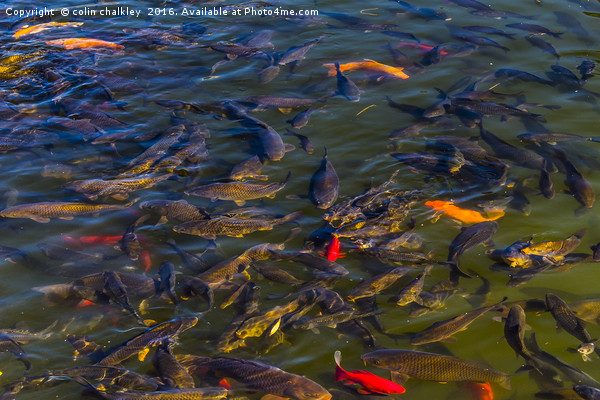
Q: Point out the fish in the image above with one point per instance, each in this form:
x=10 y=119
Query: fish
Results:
x=116 y=188
x=166 y=283
x=179 y=210
x=84 y=43
x=523 y=157
x=295 y=54
x=587 y=392
x=580 y=188
x=170 y=371
x=194 y=286
x=443 y=330
x=151 y=337
x=116 y=378
x=238 y=192
x=542 y=44
x=405 y=364
x=554 y=251
x=489 y=30
x=332 y=250
x=191 y=261
x=411 y=292
x=471 y=4
x=587 y=310
x=257 y=376
x=248 y=168
x=533 y=28
x=370 y=382
x=369 y=66
x=312 y=261
x=204 y=393
x=514 y=331
x=567 y=320
x=30 y=30
x=277 y=102
x=305 y=142
x=480 y=391
x=117 y=292
x=428 y=14
x=586 y=68
x=521 y=75
x=324 y=185
x=274 y=273
x=233 y=227
x=346 y=87
x=468 y=238
x=463 y=215
x=7 y=344
x=300 y=121
x=43 y=212
x=468 y=37
x=554 y=137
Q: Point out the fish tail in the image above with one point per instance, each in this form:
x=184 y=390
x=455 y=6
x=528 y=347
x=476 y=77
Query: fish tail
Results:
x=290 y=217
x=340 y=374
x=505 y=382
x=337 y=356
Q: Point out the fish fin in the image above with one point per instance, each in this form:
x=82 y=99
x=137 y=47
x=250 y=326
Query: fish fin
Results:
x=398 y=377
x=240 y=203
x=288 y=147
x=488 y=243
x=273 y=397
x=162 y=220
x=315 y=331
x=284 y=110
x=225 y=384
x=120 y=196
x=66 y=218
x=42 y=220
x=270 y=196
x=275 y=327
x=142 y=354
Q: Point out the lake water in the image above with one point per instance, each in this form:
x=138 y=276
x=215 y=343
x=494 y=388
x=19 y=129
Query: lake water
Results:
x=163 y=67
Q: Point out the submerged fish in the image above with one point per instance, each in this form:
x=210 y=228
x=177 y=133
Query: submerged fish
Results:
x=30 y=30
x=369 y=66
x=346 y=87
x=324 y=185
x=370 y=382
x=43 y=212
x=405 y=364
x=238 y=192
x=83 y=43
x=462 y=214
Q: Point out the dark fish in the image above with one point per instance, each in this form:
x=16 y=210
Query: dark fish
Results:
x=468 y=238
x=542 y=44
x=117 y=292
x=566 y=319
x=312 y=261
x=587 y=392
x=580 y=188
x=514 y=331
x=422 y=12
x=401 y=35
x=521 y=75
x=248 y=168
x=554 y=137
x=533 y=28
x=443 y=330
x=489 y=30
x=191 y=261
x=523 y=157
x=586 y=68
x=305 y=142
x=471 y=4
x=256 y=376
x=477 y=40
x=7 y=344
x=377 y=284
x=574 y=26
x=171 y=373
x=324 y=185
x=545 y=183
x=345 y=86
x=166 y=282
x=564 y=78
x=301 y=119
x=117 y=188
x=151 y=337
x=405 y=364
x=194 y=286
x=109 y=377
x=295 y=54
x=277 y=102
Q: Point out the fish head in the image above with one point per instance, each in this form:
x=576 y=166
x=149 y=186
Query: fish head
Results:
x=437 y=204
x=380 y=358
x=301 y=388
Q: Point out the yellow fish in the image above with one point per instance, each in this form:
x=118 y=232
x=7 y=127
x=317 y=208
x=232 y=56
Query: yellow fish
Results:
x=369 y=66
x=29 y=30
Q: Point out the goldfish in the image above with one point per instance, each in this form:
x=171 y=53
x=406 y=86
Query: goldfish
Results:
x=332 y=251
x=99 y=239
x=370 y=66
x=370 y=382
x=29 y=30
x=461 y=214
x=83 y=43
x=480 y=391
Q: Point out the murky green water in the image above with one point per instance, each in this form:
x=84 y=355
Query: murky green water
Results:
x=356 y=138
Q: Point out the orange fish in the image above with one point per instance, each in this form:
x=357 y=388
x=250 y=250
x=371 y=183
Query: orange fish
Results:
x=480 y=391
x=461 y=214
x=29 y=30
x=370 y=382
x=83 y=43
x=368 y=66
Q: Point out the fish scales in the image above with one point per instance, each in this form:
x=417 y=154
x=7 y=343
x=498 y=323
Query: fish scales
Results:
x=44 y=211
x=257 y=376
x=119 y=188
x=324 y=185
x=151 y=337
x=116 y=377
x=237 y=191
x=170 y=370
x=434 y=367
x=566 y=318
x=180 y=210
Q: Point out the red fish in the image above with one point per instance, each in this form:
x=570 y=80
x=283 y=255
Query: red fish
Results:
x=370 y=382
x=332 y=251
x=101 y=239
x=480 y=391
x=85 y=303
x=146 y=259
